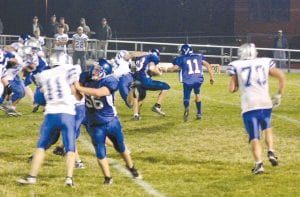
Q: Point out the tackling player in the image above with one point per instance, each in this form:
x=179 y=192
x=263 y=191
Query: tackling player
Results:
x=191 y=76
x=102 y=119
x=251 y=75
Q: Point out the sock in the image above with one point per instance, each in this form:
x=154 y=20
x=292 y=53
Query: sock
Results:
x=198 y=106
x=186 y=103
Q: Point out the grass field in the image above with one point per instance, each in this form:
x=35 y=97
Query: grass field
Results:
x=210 y=157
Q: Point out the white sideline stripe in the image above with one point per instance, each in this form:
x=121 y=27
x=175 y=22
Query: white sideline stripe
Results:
x=146 y=186
x=292 y=120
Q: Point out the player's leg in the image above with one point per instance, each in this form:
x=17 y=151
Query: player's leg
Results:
x=117 y=137
x=252 y=127
x=186 y=100
x=138 y=103
x=79 y=118
x=266 y=127
x=67 y=122
x=198 y=100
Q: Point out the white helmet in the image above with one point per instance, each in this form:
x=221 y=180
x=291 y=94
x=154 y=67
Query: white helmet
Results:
x=247 y=51
x=34 y=44
x=58 y=59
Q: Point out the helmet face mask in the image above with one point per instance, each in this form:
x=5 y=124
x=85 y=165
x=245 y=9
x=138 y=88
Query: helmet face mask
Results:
x=186 y=49
x=247 y=51
x=98 y=73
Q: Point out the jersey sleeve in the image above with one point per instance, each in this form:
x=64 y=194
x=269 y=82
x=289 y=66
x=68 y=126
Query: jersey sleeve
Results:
x=231 y=70
x=177 y=61
x=111 y=83
x=154 y=58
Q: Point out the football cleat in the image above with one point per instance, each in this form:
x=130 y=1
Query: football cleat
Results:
x=59 y=151
x=79 y=164
x=108 y=180
x=198 y=116
x=186 y=115
x=35 y=108
x=134 y=172
x=29 y=180
x=258 y=168
x=158 y=110
x=69 y=181
x=272 y=158
x=136 y=117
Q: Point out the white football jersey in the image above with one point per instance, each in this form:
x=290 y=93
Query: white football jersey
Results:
x=80 y=42
x=56 y=84
x=253 y=81
x=62 y=38
x=12 y=72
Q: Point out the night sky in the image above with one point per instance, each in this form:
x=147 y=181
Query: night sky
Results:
x=127 y=18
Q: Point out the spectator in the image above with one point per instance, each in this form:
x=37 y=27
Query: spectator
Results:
x=86 y=28
x=80 y=46
x=280 y=42
x=103 y=34
x=52 y=27
x=65 y=25
x=1 y=27
x=61 y=40
x=36 y=25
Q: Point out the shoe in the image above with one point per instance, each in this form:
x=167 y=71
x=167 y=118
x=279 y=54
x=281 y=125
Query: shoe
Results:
x=69 y=181
x=186 y=115
x=108 y=180
x=29 y=180
x=79 y=165
x=136 y=117
x=10 y=110
x=198 y=116
x=35 y=108
x=30 y=159
x=135 y=173
x=272 y=158
x=158 y=110
x=59 y=151
x=258 y=168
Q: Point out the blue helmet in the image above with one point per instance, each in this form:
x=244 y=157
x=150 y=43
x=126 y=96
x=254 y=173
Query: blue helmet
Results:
x=102 y=69
x=155 y=52
x=186 y=49
x=24 y=37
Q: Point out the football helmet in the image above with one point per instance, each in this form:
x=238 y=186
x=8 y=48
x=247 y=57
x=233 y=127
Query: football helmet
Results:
x=101 y=70
x=34 y=44
x=155 y=52
x=24 y=37
x=186 y=49
x=58 y=59
x=247 y=51
x=121 y=55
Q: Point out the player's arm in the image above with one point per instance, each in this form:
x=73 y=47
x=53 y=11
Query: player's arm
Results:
x=134 y=54
x=154 y=69
x=170 y=69
x=211 y=74
x=98 y=92
x=277 y=73
x=76 y=93
x=233 y=84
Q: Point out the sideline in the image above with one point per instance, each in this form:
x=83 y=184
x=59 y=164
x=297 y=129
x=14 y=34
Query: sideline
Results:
x=146 y=186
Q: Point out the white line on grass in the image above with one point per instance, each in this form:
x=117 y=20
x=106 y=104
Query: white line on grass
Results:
x=146 y=186
x=286 y=118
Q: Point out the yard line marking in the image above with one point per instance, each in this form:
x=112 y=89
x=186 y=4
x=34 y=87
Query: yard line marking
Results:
x=286 y=118
x=146 y=186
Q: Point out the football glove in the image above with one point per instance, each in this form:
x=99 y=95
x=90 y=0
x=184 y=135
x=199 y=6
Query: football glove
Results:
x=276 y=100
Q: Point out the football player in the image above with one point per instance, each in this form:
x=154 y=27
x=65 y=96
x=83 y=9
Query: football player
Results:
x=57 y=84
x=251 y=75
x=146 y=66
x=191 y=76
x=102 y=119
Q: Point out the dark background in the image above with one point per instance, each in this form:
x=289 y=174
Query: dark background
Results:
x=127 y=18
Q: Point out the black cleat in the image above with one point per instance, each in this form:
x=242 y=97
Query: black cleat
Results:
x=108 y=180
x=272 y=158
x=198 y=116
x=186 y=115
x=134 y=172
x=35 y=108
x=59 y=151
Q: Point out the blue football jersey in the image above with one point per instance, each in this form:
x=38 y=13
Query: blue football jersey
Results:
x=100 y=110
x=142 y=64
x=191 y=71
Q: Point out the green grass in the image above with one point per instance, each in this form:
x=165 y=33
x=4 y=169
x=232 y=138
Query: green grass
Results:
x=210 y=157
